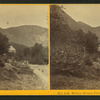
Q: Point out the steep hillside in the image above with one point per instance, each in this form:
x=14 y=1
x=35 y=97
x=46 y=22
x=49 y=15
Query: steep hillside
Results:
x=73 y=52
x=27 y=35
x=64 y=47
x=66 y=19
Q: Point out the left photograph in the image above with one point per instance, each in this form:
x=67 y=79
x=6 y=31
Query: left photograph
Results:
x=24 y=47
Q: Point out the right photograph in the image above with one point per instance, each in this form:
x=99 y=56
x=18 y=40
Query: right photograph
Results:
x=75 y=47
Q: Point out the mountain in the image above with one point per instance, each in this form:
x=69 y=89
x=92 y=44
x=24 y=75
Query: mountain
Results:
x=27 y=35
x=74 y=25
x=85 y=27
x=64 y=17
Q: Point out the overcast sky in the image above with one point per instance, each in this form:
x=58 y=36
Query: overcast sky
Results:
x=16 y=15
x=88 y=13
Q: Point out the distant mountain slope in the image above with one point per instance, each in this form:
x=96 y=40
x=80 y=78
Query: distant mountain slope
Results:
x=85 y=27
x=27 y=35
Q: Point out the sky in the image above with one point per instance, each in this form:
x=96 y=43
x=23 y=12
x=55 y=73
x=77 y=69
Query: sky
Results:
x=17 y=15
x=87 y=13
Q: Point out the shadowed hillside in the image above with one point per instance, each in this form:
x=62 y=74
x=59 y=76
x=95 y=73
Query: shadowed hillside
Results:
x=74 y=51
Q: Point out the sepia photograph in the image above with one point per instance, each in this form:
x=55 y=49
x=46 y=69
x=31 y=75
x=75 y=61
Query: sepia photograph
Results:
x=24 y=47
x=75 y=47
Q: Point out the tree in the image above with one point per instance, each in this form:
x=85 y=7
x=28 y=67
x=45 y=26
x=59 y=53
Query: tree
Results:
x=4 y=44
x=91 y=42
x=27 y=52
x=39 y=54
x=36 y=49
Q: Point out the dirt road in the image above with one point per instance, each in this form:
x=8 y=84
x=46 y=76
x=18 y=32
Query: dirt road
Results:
x=42 y=72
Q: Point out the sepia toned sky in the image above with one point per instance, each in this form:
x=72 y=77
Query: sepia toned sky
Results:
x=88 y=13
x=17 y=15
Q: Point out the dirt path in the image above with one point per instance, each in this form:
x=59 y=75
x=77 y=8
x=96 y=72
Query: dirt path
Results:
x=42 y=72
x=41 y=76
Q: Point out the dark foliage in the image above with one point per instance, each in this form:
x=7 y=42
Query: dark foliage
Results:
x=19 y=51
x=70 y=50
x=37 y=54
x=4 y=46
